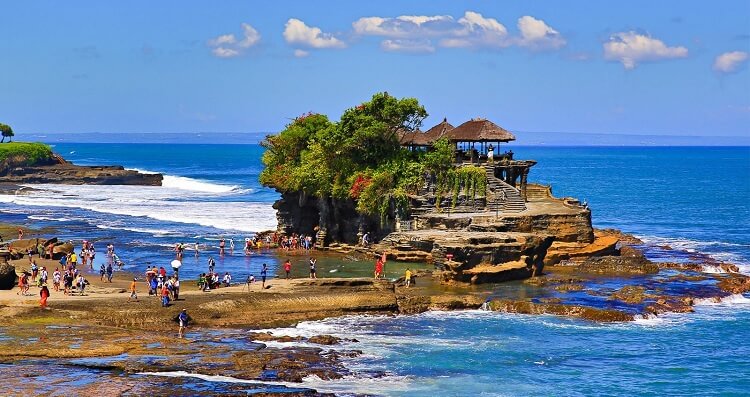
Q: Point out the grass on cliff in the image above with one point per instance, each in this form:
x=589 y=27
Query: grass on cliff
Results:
x=29 y=152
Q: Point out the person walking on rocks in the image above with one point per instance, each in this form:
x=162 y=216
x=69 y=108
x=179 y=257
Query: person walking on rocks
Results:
x=407 y=278
x=263 y=274
x=287 y=268
x=110 y=271
x=133 y=294
x=43 y=295
x=102 y=272
x=183 y=319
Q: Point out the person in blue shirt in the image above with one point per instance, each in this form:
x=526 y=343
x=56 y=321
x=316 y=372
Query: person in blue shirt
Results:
x=183 y=318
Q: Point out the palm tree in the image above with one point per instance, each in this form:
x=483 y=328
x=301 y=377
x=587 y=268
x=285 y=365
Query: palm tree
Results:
x=7 y=132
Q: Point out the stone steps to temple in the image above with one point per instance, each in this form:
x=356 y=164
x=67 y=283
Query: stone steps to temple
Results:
x=513 y=202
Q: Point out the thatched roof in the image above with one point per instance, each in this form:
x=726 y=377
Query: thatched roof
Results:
x=419 y=138
x=480 y=130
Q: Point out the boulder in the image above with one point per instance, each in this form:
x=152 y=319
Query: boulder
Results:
x=620 y=265
x=7 y=276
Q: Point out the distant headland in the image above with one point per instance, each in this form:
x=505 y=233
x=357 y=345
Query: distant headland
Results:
x=27 y=162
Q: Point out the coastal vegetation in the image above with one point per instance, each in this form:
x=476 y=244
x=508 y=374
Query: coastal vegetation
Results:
x=25 y=153
x=7 y=132
x=359 y=157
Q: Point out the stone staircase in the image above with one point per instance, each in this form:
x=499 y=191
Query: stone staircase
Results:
x=502 y=196
x=536 y=192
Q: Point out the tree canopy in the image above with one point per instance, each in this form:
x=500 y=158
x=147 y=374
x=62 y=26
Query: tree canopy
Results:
x=358 y=157
x=7 y=132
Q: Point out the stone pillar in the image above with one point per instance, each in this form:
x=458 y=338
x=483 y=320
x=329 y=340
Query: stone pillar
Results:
x=524 y=175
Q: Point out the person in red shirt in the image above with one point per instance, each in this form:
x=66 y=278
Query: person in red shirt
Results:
x=378 y=269
x=43 y=294
x=287 y=267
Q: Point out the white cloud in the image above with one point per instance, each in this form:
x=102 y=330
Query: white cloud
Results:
x=729 y=62
x=222 y=40
x=631 y=48
x=301 y=53
x=223 y=52
x=227 y=46
x=411 y=26
x=477 y=31
x=297 y=32
x=536 y=34
x=472 y=30
x=413 y=46
x=251 y=36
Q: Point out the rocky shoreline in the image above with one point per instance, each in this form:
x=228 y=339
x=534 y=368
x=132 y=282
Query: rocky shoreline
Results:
x=55 y=169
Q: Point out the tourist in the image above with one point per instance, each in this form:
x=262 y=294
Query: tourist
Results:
x=313 y=264
x=248 y=247
x=102 y=272
x=153 y=285
x=56 y=277
x=92 y=254
x=43 y=276
x=287 y=268
x=133 y=294
x=378 y=269
x=222 y=243
x=43 y=295
x=81 y=283
x=183 y=318
x=407 y=278
x=164 y=296
x=231 y=246
x=23 y=283
x=68 y=283
x=366 y=240
x=20 y=234
x=263 y=274
x=34 y=271
x=162 y=273
x=227 y=279
x=211 y=264
x=176 y=287
x=110 y=272
x=73 y=259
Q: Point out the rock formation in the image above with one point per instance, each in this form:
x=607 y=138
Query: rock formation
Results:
x=57 y=170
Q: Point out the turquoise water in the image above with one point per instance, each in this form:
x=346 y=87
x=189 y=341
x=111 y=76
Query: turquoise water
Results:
x=692 y=199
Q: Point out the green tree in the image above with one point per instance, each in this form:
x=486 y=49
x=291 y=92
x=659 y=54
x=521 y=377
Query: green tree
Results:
x=7 y=132
x=359 y=157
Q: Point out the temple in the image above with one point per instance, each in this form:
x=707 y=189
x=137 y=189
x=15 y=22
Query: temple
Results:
x=477 y=142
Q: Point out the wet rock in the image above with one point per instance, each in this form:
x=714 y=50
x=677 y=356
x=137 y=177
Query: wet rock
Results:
x=623 y=265
x=268 y=337
x=569 y=287
x=627 y=251
x=327 y=340
x=696 y=267
x=735 y=284
x=587 y=313
x=633 y=294
x=7 y=276
x=666 y=304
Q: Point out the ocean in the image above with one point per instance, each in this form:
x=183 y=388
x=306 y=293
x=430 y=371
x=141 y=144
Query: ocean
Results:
x=693 y=199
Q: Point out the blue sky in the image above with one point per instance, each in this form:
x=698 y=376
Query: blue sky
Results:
x=640 y=67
